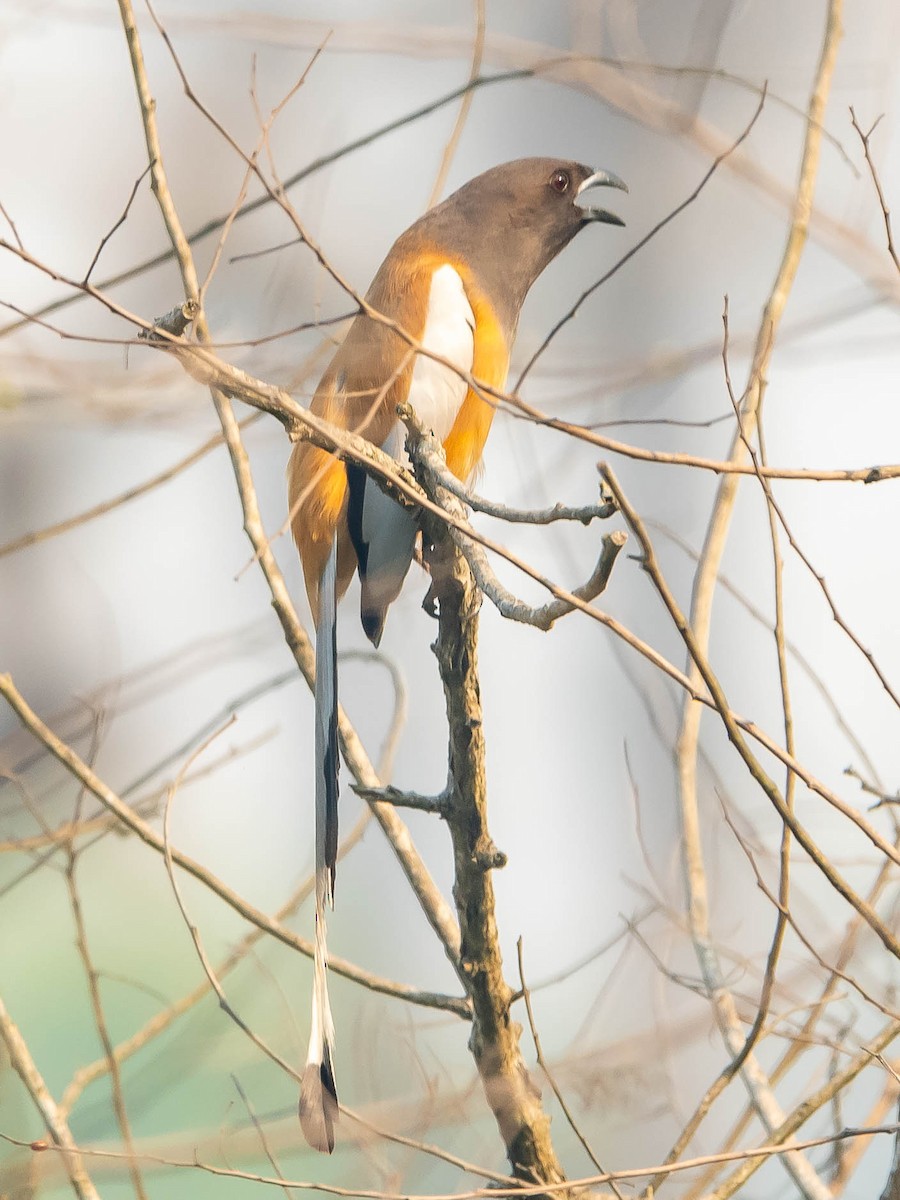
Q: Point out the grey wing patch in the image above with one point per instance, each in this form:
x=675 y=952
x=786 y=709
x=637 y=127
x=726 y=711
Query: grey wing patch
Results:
x=384 y=536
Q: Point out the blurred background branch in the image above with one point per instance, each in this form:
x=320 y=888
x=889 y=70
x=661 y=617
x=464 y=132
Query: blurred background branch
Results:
x=131 y=626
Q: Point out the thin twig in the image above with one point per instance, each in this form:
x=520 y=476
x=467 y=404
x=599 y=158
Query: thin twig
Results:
x=164 y=1019
x=734 y=730
x=639 y=245
x=132 y=493
x=257 y=1125
x=429 y=1148
x=436 y=909
x=403 y=799
x=754 y=1158
x=696 y=638
x=121 y=221
x=881 y=797
x=93 y=982
x=150 y=837
x=727 y=584
x=25 y=1067
x=873 y=171
x=465 y=105
x=208 y=970
x=551 y=1079
x=12 y=225
x=783 y=905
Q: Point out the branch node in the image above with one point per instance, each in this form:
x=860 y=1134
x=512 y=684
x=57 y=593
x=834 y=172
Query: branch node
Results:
x=172 y=324
x=489 y=858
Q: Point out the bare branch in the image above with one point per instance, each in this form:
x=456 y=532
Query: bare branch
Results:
x=879 y=190
x=465 y=106
x=207 y=966
x=121 y=221
x=132 y=493
x=25 y=1068
x=203 y=366
x=402 y=799
x=494 y=1043
x=433 y=904
x=734 y=728
x=754 y=1158
x=150 y=837
x=428 y=457
x=542 y=1063
x=515 y=516
x=161 y=1021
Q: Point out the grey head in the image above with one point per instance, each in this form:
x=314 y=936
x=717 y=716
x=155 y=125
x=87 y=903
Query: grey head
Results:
x=510 y=222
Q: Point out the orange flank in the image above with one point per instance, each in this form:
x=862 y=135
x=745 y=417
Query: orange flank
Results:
x=464 y=443
x=317 y=484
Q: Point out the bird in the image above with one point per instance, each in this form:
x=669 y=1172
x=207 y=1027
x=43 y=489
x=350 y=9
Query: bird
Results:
x=454 y=282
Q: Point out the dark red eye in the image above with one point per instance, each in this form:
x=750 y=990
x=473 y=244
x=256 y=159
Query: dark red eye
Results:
x=560 y=181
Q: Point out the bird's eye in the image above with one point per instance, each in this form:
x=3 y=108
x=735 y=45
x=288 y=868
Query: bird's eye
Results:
x=560 y=181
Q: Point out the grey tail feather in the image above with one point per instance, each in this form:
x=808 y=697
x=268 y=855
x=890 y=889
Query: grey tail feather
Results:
x=318 y=1094
x=318 y=1107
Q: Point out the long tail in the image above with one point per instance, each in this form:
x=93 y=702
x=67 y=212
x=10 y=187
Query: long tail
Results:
x=318 y=1095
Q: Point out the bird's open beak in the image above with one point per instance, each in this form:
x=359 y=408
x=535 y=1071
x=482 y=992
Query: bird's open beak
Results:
x=601 y=179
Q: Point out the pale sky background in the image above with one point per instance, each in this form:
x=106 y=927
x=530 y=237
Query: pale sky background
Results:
x=152 y=610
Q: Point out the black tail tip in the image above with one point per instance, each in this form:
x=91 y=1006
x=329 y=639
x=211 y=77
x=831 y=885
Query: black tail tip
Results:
x=318 y=1106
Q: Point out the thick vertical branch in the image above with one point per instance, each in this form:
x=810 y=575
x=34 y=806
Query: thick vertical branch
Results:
x=892 y=1187
x=513 y=1097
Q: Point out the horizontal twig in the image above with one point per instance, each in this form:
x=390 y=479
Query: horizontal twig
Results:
x=534 y=516
x=428 y=456
x=755 y=1156
x=514 y=405
x=400 y=799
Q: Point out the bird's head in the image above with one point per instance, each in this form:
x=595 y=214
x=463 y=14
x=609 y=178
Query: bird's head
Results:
x=513 y=220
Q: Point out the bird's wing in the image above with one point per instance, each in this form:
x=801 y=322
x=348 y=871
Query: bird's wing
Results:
x=385 y=532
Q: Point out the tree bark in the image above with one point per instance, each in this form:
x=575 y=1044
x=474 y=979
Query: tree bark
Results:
x=512 y=1095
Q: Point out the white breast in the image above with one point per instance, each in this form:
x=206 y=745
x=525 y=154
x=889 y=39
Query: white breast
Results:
x=436 y=392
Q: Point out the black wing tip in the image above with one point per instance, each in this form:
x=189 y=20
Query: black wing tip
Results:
x=318 y=1108
x=356 y=491
x=373 y=624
